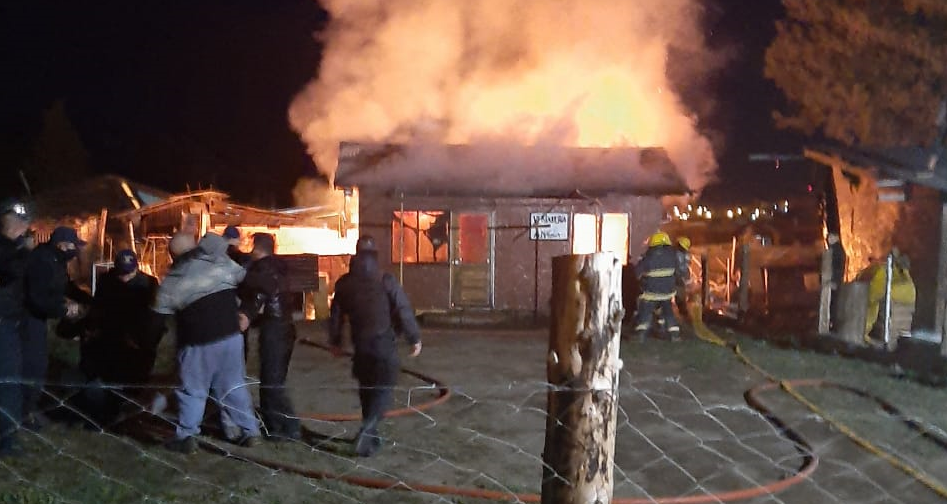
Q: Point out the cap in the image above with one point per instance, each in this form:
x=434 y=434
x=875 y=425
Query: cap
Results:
x=365 y=243
x=231 y=233
x=17 y=207
x=66 y=234
x=126 y=261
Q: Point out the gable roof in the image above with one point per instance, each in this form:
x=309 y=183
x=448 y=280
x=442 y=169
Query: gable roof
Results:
x=91 y=195
x=506 y=170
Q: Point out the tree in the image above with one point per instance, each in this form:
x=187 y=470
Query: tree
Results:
x=867 y=72
x=58 y=157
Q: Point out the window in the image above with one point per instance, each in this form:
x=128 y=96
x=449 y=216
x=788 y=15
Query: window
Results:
x=606 y=233
x=424 y=233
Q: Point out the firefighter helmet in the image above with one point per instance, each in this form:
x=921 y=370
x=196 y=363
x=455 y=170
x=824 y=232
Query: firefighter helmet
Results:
x=17 y=207
x=659 y=239
x=684 y=242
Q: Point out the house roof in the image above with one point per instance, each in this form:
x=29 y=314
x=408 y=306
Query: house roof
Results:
x=506 y=170
x=91 y=195
x=916 y=165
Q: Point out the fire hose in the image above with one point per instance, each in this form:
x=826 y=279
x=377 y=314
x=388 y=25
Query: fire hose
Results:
x=807 y=468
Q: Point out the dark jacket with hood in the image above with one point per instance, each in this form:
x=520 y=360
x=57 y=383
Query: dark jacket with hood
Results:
x=13 y=260
x=201 y=291
x=48 y=284
x=376 y=306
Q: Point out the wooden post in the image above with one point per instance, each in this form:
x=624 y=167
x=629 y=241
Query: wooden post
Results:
x=940 y=310
x=744 y=288
x=704 y=282
x=825 y=295
x=852 y=312
x=582 y=368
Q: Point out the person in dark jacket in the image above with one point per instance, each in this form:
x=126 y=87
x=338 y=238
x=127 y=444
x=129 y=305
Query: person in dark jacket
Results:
x=377 y=308
x=265 y=302
x=683 y=275
x=200 y=291
x=118 y=349
x=50 y=294
x=657 y=272
x=232 y=235
x=14 y=252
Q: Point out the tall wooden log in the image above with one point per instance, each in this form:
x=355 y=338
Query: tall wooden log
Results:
x=852 y=312
x=825 y=293
x=940 y=316
x=582 y=368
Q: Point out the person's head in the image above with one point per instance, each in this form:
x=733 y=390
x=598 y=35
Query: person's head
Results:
x=181 y=243
x=232 y=235
x=126 y=264
x=365 y=243
x=684 y=243
x=264 y=244
x=15 y=218
x=66 y=241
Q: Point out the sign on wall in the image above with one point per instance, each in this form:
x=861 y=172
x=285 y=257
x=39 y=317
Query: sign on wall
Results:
x=548 y=226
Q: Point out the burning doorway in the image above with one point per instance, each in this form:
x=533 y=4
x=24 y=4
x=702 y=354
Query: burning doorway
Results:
x=471 y=265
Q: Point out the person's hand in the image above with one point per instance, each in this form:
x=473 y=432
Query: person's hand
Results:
x=336 y=351
x=415 y=350
x=244 y=321
x=72 y=309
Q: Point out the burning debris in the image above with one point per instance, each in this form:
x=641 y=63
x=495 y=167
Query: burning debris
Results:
x=498 y=72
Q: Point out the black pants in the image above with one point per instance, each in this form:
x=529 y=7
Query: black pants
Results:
x=377 y=376
x=35 y=362
x=11 y=366
x=277 y=339
x=645 y=315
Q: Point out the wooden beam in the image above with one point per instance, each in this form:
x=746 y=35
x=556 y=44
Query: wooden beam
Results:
x=940 y=309
x=582 y=369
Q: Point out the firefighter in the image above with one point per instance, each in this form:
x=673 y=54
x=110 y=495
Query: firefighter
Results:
x=377 y=309
x=902 y=287
x=683 y=275
x=15 y=219
x=657 y=272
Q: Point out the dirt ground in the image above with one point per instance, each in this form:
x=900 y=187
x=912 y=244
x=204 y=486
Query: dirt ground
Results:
x=684 y=428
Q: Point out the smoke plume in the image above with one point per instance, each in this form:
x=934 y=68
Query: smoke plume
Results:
x=584 y=73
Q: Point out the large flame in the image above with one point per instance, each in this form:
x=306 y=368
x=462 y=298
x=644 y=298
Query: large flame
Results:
x=568 y=72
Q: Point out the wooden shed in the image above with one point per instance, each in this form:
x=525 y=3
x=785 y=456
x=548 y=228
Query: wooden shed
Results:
x=470 y=231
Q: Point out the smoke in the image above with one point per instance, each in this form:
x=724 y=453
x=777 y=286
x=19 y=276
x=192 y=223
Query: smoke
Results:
x=586 y=73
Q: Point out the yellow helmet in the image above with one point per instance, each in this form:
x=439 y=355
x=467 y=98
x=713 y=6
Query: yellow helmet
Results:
x=658 y=239
x=684 y=242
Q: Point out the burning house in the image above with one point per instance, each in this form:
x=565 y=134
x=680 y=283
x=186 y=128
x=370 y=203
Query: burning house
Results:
x=472 y=231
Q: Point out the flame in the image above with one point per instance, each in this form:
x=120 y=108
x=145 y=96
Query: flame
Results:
x=587 y=73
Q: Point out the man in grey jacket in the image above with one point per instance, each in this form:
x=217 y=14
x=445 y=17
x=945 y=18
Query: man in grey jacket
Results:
x=200 y=291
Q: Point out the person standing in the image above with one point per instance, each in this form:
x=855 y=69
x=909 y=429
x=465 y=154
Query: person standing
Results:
x=50 y=294
x=14 y=252
x=683 y=275
x=265 y=302
x=657 y=271
x=119 y=350
x=377 y=309
x=232 y=235
x=200 y=291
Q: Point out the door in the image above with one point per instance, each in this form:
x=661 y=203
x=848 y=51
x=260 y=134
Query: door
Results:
x=471 y=240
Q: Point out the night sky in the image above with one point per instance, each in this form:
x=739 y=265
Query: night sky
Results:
x=195 y=92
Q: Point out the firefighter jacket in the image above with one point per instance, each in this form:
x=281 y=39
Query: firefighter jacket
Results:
x=657 y=273
x=683 y=266
x=376 y=306
x=13 y=259
x=264 y=293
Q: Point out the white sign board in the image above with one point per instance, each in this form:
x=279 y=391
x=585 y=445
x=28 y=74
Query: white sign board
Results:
x=548 y=226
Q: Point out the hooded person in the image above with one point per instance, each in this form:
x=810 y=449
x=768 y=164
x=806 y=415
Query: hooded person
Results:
x=200 y=292
x=377 y=310
x=50 y=294
x=232 y=235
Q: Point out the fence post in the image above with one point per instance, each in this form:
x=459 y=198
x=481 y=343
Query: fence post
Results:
x=582 y=369
x=743 y=300
x=704 y=282
x=825 y=295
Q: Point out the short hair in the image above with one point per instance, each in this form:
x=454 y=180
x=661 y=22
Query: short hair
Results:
x=264 y=242
x=181 y=243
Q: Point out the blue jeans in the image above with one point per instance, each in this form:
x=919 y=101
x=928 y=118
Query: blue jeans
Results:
x=11 y=371
x=216 y=369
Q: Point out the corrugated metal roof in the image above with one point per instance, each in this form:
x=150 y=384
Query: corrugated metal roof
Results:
x=506 y=170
